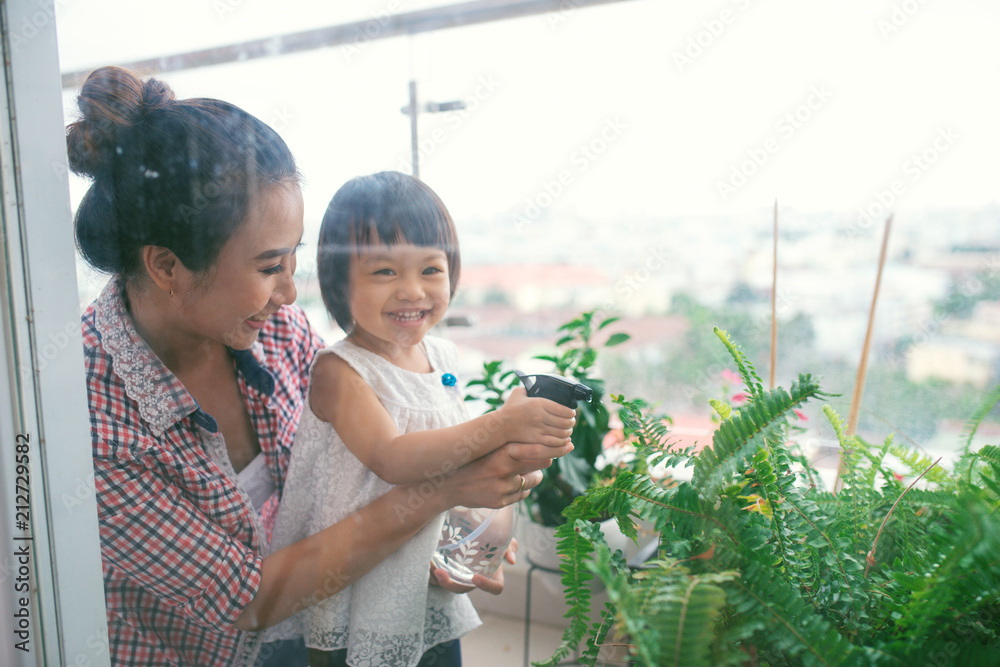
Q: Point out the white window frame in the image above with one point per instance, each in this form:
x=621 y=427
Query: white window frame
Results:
x=42 y=390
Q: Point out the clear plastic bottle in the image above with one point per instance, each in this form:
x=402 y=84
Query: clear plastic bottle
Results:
x=474 y=540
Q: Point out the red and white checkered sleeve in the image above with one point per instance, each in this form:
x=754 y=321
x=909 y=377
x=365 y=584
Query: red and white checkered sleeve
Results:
x=298 y=340
x=153 y=535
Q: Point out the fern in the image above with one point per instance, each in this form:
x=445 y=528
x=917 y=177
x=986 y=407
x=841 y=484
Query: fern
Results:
x=576 y=541
x=917 y=462
x=851 y=479
x=756 y=565
x=752 y=381
x=972 y=425
x=740 y=436
x=985 y=466
x=875 y=460
x=669 y=612
x=967 y=576
x=791 y=626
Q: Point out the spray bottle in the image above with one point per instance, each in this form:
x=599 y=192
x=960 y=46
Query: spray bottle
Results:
x=474 y=540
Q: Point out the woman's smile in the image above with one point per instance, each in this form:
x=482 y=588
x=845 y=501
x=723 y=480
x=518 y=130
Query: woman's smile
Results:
x=256 y=322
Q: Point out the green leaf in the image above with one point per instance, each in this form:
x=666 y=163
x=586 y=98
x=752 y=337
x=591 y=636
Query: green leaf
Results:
x=576 y=472
x=617 y=339
x=572 y=324
x=972 y=425
x=723 y=409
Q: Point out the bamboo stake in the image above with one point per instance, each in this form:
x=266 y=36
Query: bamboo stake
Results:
x=774 y=300
x=859 y=383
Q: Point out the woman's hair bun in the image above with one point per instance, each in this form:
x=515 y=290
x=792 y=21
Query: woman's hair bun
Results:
x=178 y=174
x=111 y=100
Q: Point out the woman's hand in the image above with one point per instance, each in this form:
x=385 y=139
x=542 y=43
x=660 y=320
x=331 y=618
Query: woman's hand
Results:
x=501 y=478
x=492 y=585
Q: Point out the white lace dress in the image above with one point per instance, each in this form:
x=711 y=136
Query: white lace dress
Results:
x=391 y=615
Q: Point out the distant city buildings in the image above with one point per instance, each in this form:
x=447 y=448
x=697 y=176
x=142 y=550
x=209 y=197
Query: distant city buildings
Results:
x=826 y=271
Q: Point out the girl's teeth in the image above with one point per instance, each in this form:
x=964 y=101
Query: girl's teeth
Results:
x=408 y=317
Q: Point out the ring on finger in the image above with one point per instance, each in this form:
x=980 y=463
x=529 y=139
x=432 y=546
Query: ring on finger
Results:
x=522 y=484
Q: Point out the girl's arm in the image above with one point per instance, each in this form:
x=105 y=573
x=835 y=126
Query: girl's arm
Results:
x=339 y=396
x=325 y=563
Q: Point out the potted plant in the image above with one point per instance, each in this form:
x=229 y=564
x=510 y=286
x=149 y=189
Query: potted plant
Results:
x=569 y=476
x=760 y=565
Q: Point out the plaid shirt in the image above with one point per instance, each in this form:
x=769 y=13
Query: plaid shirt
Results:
x=181 y=545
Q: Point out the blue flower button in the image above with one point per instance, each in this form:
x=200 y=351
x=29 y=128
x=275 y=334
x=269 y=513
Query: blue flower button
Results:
x=448 y=380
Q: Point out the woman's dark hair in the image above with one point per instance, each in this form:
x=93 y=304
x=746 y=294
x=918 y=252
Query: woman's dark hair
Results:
x=182 y=174
x=386 y=208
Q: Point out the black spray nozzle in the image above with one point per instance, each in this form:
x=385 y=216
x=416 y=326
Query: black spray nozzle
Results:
x=556 y=388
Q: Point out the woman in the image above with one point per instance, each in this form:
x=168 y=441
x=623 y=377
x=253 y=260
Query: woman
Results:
x=197 y=365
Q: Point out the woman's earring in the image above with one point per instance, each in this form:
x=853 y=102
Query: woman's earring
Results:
x=171 y=292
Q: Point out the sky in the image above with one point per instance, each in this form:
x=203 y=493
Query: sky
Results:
x=637 y=108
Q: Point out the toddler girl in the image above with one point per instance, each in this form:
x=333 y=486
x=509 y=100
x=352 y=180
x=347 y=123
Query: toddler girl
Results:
x=384 y=408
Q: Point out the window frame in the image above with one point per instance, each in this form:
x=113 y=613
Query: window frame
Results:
x=43 y=395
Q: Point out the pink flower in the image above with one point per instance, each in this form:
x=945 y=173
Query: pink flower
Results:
x=801 y=415
x=729 y=376
x=739 y=399
x=899 y=478
x=613 y=439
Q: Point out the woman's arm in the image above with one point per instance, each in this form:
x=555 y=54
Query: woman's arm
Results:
x=339 y=396
x=325 y=563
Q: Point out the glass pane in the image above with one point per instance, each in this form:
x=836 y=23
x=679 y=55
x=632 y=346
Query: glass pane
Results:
x=626 y=157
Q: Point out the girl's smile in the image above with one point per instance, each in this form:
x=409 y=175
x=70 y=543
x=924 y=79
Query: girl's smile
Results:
x=397 y=294
x=409 y=317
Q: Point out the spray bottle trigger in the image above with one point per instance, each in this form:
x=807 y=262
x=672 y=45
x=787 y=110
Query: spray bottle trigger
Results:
x=526 y=380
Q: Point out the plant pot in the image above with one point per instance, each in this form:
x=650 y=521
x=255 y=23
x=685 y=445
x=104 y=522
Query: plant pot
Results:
x=540 y=548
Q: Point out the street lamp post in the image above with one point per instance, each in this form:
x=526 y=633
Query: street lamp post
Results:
x=411 y=110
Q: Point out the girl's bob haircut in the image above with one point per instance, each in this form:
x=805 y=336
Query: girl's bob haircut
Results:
x=387 y=208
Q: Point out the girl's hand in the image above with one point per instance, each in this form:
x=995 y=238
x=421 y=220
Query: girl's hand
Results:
x=527 y=453
x=536 y=420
